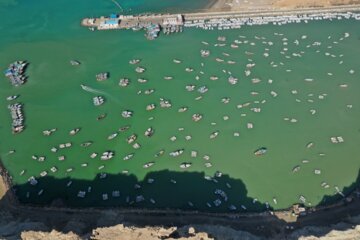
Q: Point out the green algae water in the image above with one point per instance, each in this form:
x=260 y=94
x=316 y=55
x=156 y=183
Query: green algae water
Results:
x=295 y=70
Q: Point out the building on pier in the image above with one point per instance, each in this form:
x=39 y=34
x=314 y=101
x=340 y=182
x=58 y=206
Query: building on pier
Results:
x=109 y=24
x=173 y=20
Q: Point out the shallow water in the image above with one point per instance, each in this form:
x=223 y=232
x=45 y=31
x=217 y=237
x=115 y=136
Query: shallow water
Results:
x=53 y=97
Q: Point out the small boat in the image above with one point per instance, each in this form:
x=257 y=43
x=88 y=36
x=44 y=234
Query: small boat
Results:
x=260 y=151
x=74 y=62
x=176 y=61
x=86 y=144
x=185 y=165
x=128 y=157
x=134 y=61
x=196 y=117
x=182 y=109
x=149 y=132
x=124 y=82
x=160 y=153
x=74 y=131
x=149 y=164
x=123 y=129
x=140 y=69
x=13 y=97
x=176 y=153
x=296 y=169
x=310 y=145
x=150 y=107
x=102 y=76
x=214 y=134
x=168 y=77
x=100 y=117
x=131 y=138
x=112 y=136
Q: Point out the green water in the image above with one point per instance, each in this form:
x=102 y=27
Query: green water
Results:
x=48 y=38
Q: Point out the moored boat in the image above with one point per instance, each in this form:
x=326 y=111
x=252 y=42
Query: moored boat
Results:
x=260 y=151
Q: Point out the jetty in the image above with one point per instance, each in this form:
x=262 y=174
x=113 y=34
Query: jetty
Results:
x=220 y=20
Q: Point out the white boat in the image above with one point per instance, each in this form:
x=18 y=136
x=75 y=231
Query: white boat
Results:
x=185 y=165
x=149 y=132
x=74 y=131
x=128 y=157
x=149 y=164
x=214 y=134
x=13 y=97
x=112 y=136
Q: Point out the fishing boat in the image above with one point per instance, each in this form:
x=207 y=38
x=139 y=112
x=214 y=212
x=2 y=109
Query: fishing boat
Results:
x=13 y=97
x=196 y=117
x=86 y=144
x=149 y=132
x=150 y=107
x=205 y=53
x=160 y=153
x=98 y=100
x=128 y=157
x=123 y=129
x=310 y=145
x=131 y=138
x=134 y=61
x=107 y=155
x=124 y=82
x=101 y=117
x=214 y=134
x=152 y=31
x=127 y=114
x=296 y=169
x=112 y=136
x=74 y=62
x=74 y=131
x=182 y=109
x=149 y=164
x=102 y=76
x=176 y=153
x=260 y=151
x=185 y=165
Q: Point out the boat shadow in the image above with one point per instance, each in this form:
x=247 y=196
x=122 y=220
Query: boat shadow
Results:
x=58 y=207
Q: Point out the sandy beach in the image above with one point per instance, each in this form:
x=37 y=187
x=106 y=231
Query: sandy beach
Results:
x=257 y=5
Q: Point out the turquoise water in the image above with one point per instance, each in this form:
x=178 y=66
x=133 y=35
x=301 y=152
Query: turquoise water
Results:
x=48 y=35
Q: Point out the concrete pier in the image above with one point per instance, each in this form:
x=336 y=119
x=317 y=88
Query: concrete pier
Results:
x=165 y=20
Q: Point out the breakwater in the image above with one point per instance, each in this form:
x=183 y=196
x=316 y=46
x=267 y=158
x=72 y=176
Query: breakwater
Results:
x=221 y=20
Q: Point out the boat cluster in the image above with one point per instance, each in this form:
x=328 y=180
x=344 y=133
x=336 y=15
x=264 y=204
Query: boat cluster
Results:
x=15 y=73
x=102 y=76
x=236 y=23
x=17 y=117
x=98 y=100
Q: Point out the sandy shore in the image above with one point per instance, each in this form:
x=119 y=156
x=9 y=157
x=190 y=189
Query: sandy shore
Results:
x=257 y=5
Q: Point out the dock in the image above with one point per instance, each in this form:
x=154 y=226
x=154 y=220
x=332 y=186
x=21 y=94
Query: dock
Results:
x=173 y=23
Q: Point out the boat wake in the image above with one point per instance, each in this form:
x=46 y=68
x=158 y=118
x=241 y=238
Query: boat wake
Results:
x=92 y=90
x=95 y=91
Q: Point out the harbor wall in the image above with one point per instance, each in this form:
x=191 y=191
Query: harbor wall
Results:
x=131 y=21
